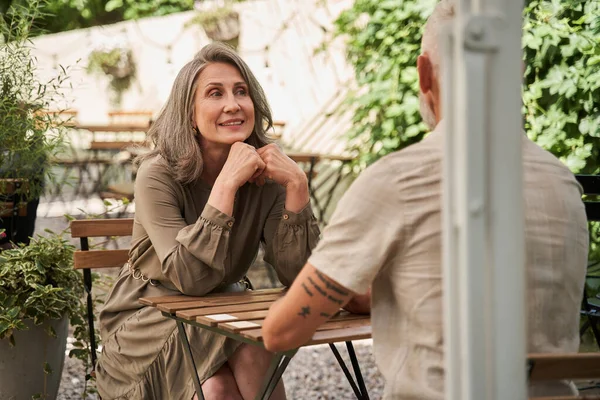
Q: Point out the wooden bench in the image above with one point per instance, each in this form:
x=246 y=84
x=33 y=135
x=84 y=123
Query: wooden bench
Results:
x=554 y=367
x=10 y=204
x=87 y=259
x=590 y=309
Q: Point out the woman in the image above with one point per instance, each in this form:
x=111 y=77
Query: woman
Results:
x=208 y=194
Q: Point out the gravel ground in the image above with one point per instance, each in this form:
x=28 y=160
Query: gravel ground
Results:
x=312 y=374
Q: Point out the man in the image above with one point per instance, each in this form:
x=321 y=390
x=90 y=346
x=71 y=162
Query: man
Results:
x=386 y=233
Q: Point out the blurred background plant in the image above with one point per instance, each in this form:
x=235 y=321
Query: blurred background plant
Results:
x=114 y=59
x=33 y=131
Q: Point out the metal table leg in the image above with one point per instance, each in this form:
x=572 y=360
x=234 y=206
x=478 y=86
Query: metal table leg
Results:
x=346 y=371
x=190 y=358
x=276 y=369
x=357 y=373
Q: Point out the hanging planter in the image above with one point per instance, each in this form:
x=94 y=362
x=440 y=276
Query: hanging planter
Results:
x=118 y=64
x=221 y=24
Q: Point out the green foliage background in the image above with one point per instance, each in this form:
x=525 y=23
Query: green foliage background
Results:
x=561 y=94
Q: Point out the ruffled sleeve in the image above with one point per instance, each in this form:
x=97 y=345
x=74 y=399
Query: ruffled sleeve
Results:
x=289 y=239
x=192 y=257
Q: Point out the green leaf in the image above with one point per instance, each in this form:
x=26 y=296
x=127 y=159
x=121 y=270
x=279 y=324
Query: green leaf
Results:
x=47 y=368
x=13 y=312
x=112 y=5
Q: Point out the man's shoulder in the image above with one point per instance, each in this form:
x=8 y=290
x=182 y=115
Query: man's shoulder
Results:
x=538 y=161
x=402 y=164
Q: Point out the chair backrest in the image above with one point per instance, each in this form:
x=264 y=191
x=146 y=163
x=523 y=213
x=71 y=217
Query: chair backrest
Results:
x=10 y=206
x=569 y=366
x=87 y=259
x=137 y=117
x=591 y=187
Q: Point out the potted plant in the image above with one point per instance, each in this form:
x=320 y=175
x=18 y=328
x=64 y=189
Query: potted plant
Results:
x=115 y=60
x=39 y=293
x=220 y=22
x=30 y=136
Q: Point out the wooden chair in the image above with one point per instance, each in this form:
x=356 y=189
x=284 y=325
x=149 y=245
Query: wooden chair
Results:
x=591 y=305
x=11 y=206
x=554 y=367
x=87 y=259
x=142 y=117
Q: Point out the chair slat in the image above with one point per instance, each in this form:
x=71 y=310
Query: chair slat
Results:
x=100 y=258
x=6 y=209
x=101 y=227
x=590 y=183
x=592 y=210
x=585 y=397
x=549 y=367
x=110 y=145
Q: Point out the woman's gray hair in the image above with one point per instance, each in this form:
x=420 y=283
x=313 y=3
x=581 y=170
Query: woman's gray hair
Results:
x=172 y=134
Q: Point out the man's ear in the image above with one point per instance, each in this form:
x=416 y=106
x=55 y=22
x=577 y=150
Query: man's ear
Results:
x=425 y=70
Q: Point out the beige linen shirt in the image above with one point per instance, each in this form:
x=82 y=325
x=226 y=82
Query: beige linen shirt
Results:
x=387 y=231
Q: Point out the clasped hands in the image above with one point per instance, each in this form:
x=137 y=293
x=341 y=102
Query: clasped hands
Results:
x=248 y=164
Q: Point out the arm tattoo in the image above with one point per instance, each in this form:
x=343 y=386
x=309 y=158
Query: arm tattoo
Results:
x=323 y=292
x=330 y=285
x=305 y=311
x=324 y=314
x=319 y=289
x=308 y=292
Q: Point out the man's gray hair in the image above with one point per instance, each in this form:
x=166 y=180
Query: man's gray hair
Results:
x=172 y=135
x=442 y=13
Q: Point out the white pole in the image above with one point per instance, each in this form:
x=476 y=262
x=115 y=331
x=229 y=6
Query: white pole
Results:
x=484 y=292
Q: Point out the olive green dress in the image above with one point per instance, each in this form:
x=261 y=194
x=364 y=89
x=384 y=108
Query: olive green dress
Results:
x=180 y=244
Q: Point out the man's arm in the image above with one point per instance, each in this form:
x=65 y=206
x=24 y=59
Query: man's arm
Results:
x=312 y=299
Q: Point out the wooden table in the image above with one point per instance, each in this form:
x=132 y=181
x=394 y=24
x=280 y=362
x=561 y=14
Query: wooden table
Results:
x=240 y=316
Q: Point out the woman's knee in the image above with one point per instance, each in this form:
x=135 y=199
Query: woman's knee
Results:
x=221 y=386
x=249 y=355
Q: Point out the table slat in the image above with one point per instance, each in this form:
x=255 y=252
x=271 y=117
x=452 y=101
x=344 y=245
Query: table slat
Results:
x=341 y=335
x=194 y=312
x=208 y=302
x=154 y=301
x=242 y=316
x=320 y=337
x=238 y=326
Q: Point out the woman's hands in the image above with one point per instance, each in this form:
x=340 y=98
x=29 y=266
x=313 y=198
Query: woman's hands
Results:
x=284 y=171
x=243 y=164
x=247 y=164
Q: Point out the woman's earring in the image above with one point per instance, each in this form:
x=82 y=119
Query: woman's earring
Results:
x=196 y=130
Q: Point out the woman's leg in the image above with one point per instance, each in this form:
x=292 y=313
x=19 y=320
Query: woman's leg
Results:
x=221 y=386
x=249 y=365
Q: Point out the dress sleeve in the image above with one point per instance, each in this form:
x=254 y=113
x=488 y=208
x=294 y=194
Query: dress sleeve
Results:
x=289 y=238
x=192 y=257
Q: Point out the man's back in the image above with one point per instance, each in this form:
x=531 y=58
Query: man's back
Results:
x=407 y=288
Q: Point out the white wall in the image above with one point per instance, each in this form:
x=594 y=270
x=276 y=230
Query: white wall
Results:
x=297 y=81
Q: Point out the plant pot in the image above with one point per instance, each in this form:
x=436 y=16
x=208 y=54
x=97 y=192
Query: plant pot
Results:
x=19 y=229
x=226 y=29
x=22 y=366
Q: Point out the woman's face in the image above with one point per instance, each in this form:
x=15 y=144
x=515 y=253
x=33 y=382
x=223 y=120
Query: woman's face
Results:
x=223 y=109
